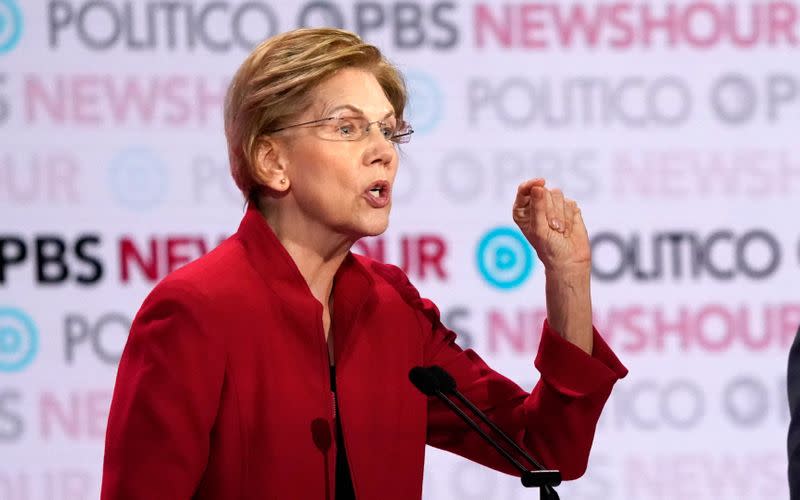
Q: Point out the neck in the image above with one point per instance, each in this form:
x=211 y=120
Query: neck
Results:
x=315 y=249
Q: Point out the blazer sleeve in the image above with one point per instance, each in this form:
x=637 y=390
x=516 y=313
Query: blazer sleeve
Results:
x=555 y=422
x=793 y=438
x=165 y=400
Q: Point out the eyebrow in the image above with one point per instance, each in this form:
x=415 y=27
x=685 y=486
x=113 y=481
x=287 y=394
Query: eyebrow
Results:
x=356 y=110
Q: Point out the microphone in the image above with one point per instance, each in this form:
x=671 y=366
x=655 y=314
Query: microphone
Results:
x=437 y=382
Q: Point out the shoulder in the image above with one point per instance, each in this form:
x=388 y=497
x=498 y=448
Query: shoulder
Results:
x=222 y=276
x=390 y=279
x=225 y=263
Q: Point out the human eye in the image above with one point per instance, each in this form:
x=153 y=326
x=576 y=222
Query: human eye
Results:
x=388 y=130
x=344 y=128
x=348 y=127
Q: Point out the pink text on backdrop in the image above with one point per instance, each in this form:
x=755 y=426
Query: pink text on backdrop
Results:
x=628 y=25
x=691 y=173
x=705 y=474
x=95 y=100
x=160 y=256
x=74 y=415
x=39 y=177
x=48 y=484
x=638 y=329
x=419 y=256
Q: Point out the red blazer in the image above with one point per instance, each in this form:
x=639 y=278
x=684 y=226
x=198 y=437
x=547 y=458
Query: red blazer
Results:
x=223 y=388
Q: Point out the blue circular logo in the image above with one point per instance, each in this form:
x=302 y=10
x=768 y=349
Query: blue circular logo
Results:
x=505 y=258
x=19 y=340
x=10 y=25
x=138 y=178
x=425 y=102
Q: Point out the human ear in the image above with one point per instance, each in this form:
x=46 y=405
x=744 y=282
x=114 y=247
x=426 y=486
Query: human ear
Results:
x=269 y=166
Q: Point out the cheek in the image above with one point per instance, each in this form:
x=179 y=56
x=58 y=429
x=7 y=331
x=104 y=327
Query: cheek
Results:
x=325 y=177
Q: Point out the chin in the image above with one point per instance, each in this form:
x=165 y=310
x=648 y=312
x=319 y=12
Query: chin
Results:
x=375 y=230
x=374 y=226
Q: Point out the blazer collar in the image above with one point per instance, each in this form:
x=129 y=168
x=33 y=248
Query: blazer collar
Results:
x=352 y=282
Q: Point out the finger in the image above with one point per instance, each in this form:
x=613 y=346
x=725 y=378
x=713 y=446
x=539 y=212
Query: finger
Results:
x=539 y=207
x=569 y=215
x=557 y=221
x=550 y=211
x=524 y=189
x=578 y=224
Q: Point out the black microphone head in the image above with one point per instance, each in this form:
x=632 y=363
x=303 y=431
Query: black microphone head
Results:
x=446 y=381
x=424 y=380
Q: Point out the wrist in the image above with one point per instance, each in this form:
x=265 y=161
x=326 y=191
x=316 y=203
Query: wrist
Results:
x=573 y=277
x=569 y=305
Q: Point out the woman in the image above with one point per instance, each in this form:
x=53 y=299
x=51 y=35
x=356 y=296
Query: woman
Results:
x=224 y=389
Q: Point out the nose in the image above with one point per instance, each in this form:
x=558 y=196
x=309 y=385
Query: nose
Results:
x=379 y=150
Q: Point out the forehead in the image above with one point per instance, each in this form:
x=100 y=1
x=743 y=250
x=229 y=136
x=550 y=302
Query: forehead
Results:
x=352 y=87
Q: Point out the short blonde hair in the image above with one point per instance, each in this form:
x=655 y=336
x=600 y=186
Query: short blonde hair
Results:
x=275 y=82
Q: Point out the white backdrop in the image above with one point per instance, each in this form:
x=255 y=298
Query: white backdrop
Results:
x=674 y=125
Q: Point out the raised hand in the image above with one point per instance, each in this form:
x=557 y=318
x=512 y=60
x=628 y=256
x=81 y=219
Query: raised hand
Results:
x=554 y=227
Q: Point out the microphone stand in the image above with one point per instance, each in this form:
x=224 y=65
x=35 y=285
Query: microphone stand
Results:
x=447 y=384
x=430 y=383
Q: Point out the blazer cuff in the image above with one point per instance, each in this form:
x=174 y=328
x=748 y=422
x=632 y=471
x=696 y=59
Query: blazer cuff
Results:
x=572 y=372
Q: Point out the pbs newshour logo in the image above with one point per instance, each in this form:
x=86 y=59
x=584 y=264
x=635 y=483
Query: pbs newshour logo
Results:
x=10 y=25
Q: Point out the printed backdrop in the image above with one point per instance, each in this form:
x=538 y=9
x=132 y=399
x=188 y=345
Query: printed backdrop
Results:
x=673 y=123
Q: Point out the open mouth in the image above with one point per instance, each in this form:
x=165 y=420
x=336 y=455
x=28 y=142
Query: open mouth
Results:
x=378 y=194
x=379 y=189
